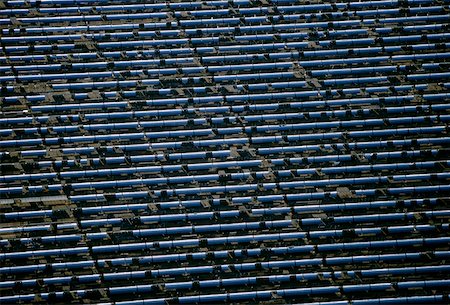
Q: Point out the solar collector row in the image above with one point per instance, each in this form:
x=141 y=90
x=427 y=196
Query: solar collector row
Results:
x=267 y=294
x=200 y=230
x=240 y=239
x=198 y=42
x=219 y=14
x=241 y=58
x=279 y=28
x=224 y=49
x=241 y=7
x=275 y=278
x=143 y=136
x=239 y=164
x=261 y=150
x=387 y=121
x=300 y=196
x=256 y=106
x=223 y=254
x=219 y=120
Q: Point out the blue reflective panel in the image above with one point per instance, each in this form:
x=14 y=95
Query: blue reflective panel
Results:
x=227 y=145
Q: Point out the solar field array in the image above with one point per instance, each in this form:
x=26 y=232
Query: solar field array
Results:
x=241 y=151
